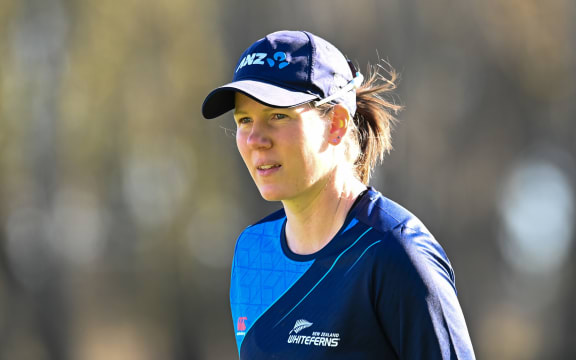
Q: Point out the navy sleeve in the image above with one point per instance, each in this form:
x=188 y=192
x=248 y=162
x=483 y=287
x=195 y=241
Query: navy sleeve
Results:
x=415 y=298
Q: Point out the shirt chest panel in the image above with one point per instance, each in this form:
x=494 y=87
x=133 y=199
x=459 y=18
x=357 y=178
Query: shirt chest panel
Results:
x=327 y=314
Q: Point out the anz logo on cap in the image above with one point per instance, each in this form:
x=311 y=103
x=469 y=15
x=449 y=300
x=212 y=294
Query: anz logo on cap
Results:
x=258 y=59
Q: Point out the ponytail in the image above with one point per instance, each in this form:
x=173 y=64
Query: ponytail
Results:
x=373 y=121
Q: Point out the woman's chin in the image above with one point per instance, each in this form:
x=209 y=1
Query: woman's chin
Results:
x=271 y=193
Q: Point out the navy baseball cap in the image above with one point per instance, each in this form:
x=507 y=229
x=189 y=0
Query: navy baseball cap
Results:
x=286 y=69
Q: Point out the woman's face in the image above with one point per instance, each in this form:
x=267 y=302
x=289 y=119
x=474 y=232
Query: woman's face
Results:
x=287 y=151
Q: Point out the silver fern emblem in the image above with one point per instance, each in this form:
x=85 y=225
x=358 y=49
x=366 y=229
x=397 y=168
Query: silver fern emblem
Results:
x=300 y=325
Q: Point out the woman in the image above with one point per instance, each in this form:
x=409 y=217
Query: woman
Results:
x=340 y=272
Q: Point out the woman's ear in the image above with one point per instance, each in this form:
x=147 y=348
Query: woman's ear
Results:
x=340 y=116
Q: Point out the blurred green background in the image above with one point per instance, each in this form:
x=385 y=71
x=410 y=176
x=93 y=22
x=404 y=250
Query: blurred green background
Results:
x=120 y=204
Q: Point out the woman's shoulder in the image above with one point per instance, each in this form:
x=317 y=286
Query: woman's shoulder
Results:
x=385 y=215
x=404 y=239
x=271 y=224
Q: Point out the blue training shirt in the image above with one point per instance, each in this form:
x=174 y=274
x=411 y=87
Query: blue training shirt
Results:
x=382 y=288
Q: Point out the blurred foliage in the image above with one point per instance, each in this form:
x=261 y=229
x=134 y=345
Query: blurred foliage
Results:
x=119 y=204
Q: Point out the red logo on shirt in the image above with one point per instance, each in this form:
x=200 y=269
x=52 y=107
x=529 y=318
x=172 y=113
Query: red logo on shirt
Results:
x=241 y=326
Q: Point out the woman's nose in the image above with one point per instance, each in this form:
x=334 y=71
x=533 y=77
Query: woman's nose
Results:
x=259 y=138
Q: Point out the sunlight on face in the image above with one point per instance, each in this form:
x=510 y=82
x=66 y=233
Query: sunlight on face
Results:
x=286 y=150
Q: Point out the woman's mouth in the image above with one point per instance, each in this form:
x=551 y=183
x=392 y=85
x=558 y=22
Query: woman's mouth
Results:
x=268 y=169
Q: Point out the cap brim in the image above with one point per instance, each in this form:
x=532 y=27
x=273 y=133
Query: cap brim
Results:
x=221 y=100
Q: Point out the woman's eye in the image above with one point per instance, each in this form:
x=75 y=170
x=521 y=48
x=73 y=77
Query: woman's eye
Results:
x=244 y=120
x=280 y=116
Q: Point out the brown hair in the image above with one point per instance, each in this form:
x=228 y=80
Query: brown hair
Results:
x=374 y=119
x=372 y=124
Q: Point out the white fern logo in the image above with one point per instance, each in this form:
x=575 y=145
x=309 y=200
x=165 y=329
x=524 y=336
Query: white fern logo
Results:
x=300 y=325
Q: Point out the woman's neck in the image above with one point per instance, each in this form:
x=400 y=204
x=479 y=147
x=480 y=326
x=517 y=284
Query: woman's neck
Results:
x=314 y=220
